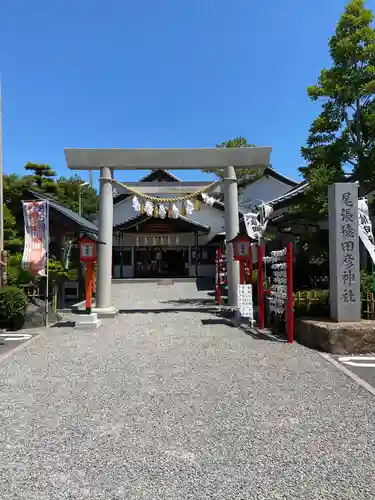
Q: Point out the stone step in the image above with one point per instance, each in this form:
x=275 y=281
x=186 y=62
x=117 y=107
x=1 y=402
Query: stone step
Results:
x=166 y=282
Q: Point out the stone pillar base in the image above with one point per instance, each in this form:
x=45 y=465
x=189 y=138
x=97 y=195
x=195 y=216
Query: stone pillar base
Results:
x=88 y=321
x=106 y=312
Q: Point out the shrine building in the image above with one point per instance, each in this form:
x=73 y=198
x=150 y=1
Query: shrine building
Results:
x=150 y=244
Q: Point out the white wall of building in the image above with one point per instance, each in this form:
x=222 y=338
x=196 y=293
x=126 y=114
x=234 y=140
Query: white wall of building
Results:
x=207 y=215
x=263 y=189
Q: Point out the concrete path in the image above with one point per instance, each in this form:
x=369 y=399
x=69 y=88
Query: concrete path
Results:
x=12 y=340
x=174 y=404
x=361 y=365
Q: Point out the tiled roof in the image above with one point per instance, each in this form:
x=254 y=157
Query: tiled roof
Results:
x=269 y=171
x=220 y=206
x=289 y=195
x=195 y=223
x=83 y=223
x=139 y=218
x=162 y=174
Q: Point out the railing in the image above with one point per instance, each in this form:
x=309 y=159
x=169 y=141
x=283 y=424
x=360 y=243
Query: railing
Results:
x=316 y=303
x=33 y=290
x=368 y=306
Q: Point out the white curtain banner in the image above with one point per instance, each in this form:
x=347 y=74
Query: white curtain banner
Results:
x=267 y=211
x=36 y=220
x=253 y=228
x=365 y=228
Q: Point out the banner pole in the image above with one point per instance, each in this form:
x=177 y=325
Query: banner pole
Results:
x=251 y=265
x=47 y=260
x=218 y=285
x=290 y=298
x=260 y=287
x=2 y=267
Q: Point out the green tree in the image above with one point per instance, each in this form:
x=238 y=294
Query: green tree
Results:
x=43 y=176
x=64 y=191
x=341 y=139
x=58 y=275
x=312 y=204
x=71 y=189
x=242 y=173
x=16 y=189
x=12 y=239
x=17 y=275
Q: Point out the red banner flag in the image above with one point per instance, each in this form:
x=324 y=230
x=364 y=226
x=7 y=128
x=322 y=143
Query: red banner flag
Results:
x=36 y=220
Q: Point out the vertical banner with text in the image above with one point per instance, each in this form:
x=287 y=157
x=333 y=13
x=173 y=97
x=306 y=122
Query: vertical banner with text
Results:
x=365 y=228
x=36 y=220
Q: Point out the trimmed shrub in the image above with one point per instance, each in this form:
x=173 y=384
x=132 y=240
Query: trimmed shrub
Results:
x=13 y=306
x=17 y=275
x=367 y=282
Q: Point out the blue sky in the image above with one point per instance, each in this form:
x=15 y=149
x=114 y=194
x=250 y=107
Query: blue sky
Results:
x=172 y=73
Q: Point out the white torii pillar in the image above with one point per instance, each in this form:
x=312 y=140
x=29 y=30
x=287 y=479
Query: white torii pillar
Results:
x=232 y=228
x=104 y=305
x=107 y=160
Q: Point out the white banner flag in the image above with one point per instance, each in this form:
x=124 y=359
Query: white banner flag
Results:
x=365 y=228
x=254 y=228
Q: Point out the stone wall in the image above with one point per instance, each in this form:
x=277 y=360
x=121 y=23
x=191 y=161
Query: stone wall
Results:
x=336 y=338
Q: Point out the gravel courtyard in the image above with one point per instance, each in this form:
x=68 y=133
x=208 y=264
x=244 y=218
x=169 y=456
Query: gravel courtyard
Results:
x=166 y=401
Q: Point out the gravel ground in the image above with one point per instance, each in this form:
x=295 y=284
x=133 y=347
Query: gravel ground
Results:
x=160 y=406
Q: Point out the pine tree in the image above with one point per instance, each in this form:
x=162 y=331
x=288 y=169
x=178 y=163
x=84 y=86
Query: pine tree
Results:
x=43 y=174
x=242 y=173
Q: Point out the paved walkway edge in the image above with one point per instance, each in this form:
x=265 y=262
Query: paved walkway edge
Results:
x=18 y=348
x=347 y=372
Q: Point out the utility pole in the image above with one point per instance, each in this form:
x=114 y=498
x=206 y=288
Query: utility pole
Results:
x=1 y=194
x=80 y=196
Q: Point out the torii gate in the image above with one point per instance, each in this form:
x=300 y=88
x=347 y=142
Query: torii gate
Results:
x=108 y=160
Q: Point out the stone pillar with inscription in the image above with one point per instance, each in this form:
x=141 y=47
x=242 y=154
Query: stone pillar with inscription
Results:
x=345 y=296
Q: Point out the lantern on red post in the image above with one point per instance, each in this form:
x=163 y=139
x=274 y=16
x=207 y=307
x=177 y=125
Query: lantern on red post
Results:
x=88 y=255
x=242 y=253
x=87 y=250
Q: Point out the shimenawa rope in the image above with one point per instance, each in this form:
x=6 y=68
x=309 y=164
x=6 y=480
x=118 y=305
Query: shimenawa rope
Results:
x=155 y=199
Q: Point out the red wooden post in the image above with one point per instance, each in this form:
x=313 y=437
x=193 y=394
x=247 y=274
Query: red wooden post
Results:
x=88 y=256
x=94 y=278
x=242 y=272
x=218 y=286
x=260 y=288
x=290 y=299
x=89 y=286
x=251 y=265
